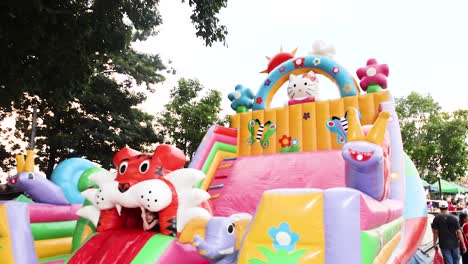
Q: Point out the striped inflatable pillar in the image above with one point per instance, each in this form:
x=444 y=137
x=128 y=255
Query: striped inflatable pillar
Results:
x=16 y=240
x=52 y=228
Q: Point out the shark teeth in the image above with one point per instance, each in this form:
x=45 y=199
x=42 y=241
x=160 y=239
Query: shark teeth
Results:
x=119 y=208
x=226 y=251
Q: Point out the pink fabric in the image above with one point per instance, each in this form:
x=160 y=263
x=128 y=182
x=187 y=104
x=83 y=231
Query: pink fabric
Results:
x=301 y=101
x=211 y=141
x=181 y=253
x=375 y=214
x=412 y=236
x=252 y=175
x=40 y=213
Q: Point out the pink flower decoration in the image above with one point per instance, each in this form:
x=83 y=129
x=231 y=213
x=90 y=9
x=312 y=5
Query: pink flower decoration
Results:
x=299 y=62
x=259 y=100
x=267 y=82
x=373 y=73
x=336 y=70
x=282 y=69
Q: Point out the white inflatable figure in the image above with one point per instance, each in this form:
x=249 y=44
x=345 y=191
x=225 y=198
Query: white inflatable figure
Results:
x=91 y=213
x=303 y=88
x=190 y=198
x=323 y=49
x=154 y=195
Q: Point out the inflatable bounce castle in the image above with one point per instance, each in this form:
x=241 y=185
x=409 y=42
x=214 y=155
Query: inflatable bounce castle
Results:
x=314 y=181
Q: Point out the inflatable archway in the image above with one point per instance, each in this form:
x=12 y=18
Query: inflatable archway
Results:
x=345 y=82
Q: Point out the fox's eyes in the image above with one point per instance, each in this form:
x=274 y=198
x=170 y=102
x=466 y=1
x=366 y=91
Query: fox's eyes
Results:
x=144 y=166
x=123 y=167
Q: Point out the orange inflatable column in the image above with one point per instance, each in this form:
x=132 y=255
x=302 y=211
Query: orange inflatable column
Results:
x=244 y=149
x=270 y=115
x=295 y=123
x=257 y=148
x=336 y=109
x=282 y=118
x=309 y=127
x=323 y=134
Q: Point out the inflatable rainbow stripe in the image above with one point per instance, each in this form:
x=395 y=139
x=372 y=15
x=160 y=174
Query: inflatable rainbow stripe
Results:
x=219 y=143
x=36 y=232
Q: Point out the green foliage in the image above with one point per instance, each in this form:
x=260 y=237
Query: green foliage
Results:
x=205 y=20
x=65 y=57
x=101 y=120
x=436 y=141
x=279 y=257
x=187 y=117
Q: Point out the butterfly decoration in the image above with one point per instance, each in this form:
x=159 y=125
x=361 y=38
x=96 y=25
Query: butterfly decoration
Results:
x=264 y=131
x=339 y=126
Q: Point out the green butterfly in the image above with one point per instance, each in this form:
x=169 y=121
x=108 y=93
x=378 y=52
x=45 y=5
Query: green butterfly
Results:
x=265 y=143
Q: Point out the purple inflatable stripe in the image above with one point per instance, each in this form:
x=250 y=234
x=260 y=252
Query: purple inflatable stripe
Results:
x=342 y=226
x=397 y=186
x=21 y=237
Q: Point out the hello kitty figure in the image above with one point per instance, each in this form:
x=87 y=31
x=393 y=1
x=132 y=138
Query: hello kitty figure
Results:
x=303 y=88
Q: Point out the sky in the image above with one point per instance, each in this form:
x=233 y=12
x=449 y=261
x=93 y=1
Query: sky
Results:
x=422 y=42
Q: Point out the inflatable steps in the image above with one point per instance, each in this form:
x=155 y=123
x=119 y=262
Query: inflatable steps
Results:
x=220 y=177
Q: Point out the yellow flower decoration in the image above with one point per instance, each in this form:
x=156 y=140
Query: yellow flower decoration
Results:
x=347 y=88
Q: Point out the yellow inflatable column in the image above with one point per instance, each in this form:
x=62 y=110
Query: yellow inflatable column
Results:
x=282 y=120
x=242 y=146
x=381 y=97
x=257 y=148
x=323 y=134
x=6 y=252
x=295 y=123
x=350 y=101
x=336 y=109
x=270 y=115
x=235 y=121
x=287 y=228
x=309 y=127
x=367 y=108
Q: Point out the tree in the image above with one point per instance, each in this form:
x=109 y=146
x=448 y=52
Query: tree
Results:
x=65 y=57
x=187 y=117
x=436 y=141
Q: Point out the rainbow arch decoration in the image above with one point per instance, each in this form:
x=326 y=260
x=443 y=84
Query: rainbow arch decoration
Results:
x=345 y=82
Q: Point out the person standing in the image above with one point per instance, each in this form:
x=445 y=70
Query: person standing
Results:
x=464 y=227
x=447 y=231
